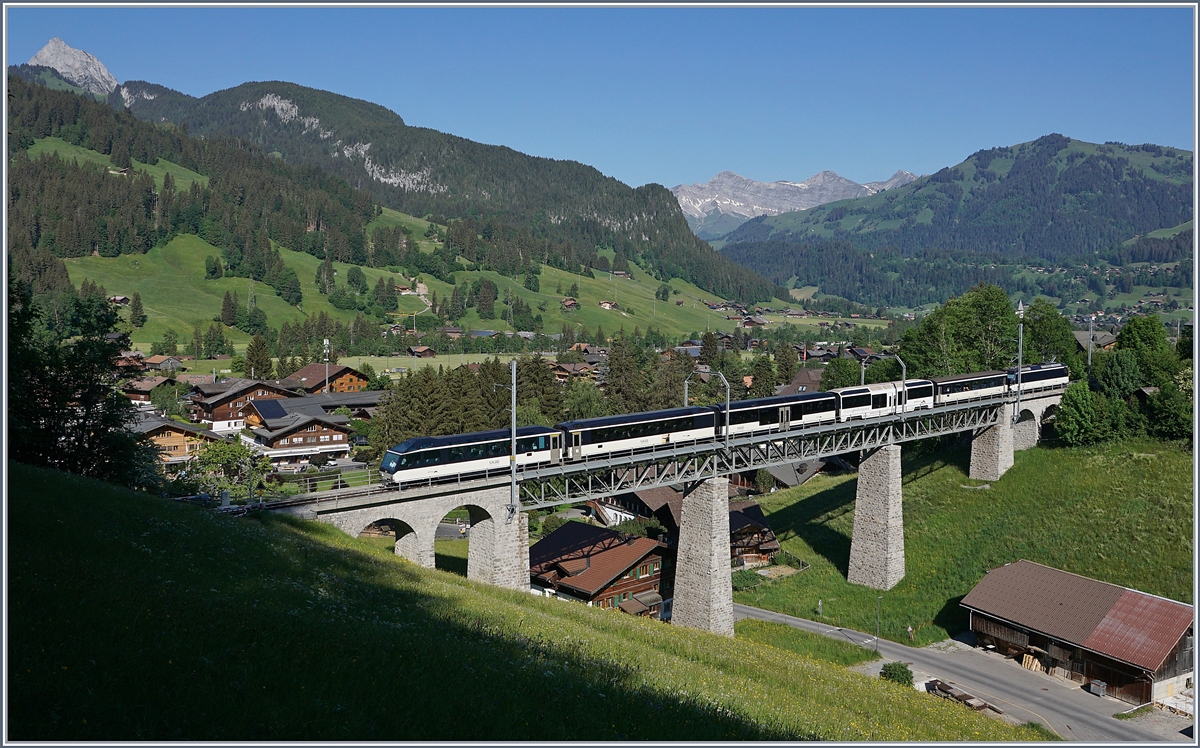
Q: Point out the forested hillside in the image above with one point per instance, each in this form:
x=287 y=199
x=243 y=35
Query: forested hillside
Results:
x=1049 y=200
x=428 y=173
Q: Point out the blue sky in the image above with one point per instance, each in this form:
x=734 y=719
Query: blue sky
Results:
x=676 y=95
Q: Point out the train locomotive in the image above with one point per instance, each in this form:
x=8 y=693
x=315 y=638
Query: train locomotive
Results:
x=434 y=459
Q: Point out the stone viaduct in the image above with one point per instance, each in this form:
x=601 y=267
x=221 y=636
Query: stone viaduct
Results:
x=703 y=598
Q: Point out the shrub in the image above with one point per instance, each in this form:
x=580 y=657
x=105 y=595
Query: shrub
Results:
x=552 y=523
x=897 y=672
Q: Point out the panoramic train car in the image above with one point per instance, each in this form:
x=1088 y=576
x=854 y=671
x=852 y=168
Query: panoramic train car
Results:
x=917 y=395
x=636 y=431
x=963 y=387
x=1039 y=376
x=433 y=458
x=782 y=413
x=869 y=401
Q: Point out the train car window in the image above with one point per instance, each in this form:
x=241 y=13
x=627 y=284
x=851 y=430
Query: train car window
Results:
x=768 y=416
x=739 y=417
x=915 y=393
x=878 y=401
x=456 y=454
x=856 y=401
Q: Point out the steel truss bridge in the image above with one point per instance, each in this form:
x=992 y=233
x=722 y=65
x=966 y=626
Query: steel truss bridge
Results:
x=689 y=464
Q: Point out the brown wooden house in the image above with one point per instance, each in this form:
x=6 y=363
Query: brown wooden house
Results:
x=341 y=378
x=217 y=404
x=138 y=390
x=603 y=568
x=295 y=438
x=1139 y=645
x=177 y=442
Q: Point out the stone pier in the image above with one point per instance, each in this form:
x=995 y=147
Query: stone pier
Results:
x=992 y=448
x=877 y=546
x=703 y=587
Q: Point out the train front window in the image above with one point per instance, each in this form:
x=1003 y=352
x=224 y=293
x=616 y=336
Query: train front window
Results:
x=389 y=462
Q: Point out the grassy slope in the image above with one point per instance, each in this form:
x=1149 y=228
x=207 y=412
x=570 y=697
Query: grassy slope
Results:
x=1121 y=513
x=183 y=177
x=176 y=295
x=132 y=618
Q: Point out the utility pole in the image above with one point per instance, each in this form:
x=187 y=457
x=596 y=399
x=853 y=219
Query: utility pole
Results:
x=512 y=501
x=1091 y=336
x=1020 y=357
x=878 y=609
x=326 y=365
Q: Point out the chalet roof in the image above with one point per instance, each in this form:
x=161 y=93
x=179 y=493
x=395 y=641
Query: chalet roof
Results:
x=280 y=426
x=161 y=359
x=585 y=558
x=1124 y=624
x=213 y=393
x=1100 y=338
x=144 y=384
x=807 y=378
x=313 y=375
x=152 y=422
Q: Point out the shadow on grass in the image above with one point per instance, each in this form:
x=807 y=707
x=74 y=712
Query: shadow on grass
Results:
x=809 y=518
x=280 y=632
x=453 y=564
x=952 y=618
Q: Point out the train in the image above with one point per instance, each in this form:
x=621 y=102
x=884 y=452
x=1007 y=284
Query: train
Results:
x=433 y=459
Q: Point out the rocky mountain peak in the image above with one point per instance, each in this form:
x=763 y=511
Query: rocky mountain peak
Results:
x=76 y=66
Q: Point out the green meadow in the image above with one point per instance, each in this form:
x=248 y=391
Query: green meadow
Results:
x=1119 y=512
x=136 y=618
x=183 y=177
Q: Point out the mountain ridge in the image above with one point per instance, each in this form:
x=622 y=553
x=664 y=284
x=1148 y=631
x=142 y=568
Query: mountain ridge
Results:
x=716 y=207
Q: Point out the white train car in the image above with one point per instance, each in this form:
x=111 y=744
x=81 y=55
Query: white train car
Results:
x=431 y=459
x=869 y=401
x=962 y=388
x=781 y=413
x=635 y=432
x=1039 y=377
x=917 y=395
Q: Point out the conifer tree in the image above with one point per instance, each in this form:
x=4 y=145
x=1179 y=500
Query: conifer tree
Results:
x=625 y=383
x=786 y=362
x=708 y=348
x=764 y=378
x=258 y=359
x=137 y=315
x=197 y=347
x=600 y=338
x=229 y=309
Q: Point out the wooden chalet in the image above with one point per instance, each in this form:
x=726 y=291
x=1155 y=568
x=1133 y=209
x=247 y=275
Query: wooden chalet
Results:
x=603 y=568
x=217 y=404
x=177 y=442
x=341 y=378
x=165 y=363
x=421 y=351
x=564 y=373
x=138 y=390
x=293 y=438
x=362 y=405
x=1139 y=646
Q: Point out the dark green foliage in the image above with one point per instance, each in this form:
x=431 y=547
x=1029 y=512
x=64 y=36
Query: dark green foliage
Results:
x=787 y=363
x=1047 y=334
x=137 y=315
x=1117 y=374
x=663 y=293
x=840 y=372
x=897 y=672
x=1147 y=339
x=532 y=283
x=641 y=527
x=975 y=332
x=168 y=346
x=258 y=359
x=1079 y=420
x=356 y=280
x=625 y=384
x=65 y=411
x=510 y=188
x=1053 y=202
x=764 y=378
x=213 y=268
x=552 y=523
x=1170 y=414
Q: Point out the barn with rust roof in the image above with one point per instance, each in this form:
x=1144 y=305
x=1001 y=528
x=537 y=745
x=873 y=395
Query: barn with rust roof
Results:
x=1138 y=644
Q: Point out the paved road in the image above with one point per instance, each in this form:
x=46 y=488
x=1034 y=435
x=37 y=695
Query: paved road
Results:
x=1030 y=697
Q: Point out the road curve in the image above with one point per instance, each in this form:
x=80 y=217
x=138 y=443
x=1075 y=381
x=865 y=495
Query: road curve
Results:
x=1065 y=708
